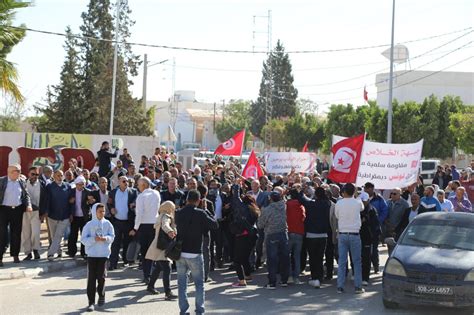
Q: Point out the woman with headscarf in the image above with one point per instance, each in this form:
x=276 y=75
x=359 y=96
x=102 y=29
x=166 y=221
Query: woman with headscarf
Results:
x=166 y=222
x=245 y=214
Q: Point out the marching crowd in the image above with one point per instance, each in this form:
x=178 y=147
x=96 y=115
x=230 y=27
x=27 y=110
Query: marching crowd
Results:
x=165 y=217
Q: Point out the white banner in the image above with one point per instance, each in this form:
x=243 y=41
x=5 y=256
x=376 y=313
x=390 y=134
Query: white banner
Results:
x=388 y=165
x=283 y=162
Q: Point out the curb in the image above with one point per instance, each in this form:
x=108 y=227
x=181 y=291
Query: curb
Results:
x=48 y=267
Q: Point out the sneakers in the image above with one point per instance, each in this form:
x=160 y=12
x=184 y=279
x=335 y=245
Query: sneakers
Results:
x=315 y=283
x=340 y=290
x=359 y=290
x=270 y=287
x=239 y=285
x=365 y=283
x=152 y=291
x=90 y=308
x=169 y=296
x=290 y=280
x=283 y=284
x=51 y=257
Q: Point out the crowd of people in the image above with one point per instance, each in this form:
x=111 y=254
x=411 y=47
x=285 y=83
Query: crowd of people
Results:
x=125 y=212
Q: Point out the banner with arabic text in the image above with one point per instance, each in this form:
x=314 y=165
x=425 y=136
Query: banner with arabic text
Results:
x=283 y=162
x=389 y=165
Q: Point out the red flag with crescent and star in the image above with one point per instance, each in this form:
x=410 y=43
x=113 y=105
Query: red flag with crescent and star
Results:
x=305 y=148
x=252 y=168
x=346 y=159
x=233 y=146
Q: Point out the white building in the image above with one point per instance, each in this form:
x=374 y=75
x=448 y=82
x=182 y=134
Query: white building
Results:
x=192 y=121
x=417 y=85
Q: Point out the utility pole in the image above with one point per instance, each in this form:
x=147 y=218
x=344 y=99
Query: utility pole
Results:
x=214 y=118
x=269 y=81
x=390 y=85
x=173 y=108
x=114 y=75
x=145 y=70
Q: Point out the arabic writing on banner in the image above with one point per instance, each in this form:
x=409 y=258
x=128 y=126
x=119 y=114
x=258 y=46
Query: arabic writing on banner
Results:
x=283 y=162
x=389 y=165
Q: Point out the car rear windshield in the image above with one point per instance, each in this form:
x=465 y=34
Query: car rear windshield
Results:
x=439 y=235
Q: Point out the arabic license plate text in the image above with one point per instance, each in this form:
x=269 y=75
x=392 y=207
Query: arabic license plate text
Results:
x=428 y=289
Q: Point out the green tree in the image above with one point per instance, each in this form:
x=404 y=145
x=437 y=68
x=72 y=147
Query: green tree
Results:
x=304 y=128
x=406 y=122
x=235 y=117
x=462 y=127
x=277 y=84
x=64 y=111
x=277 y=128
x=9 y=37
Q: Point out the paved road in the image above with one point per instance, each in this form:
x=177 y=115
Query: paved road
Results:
x=64 y=293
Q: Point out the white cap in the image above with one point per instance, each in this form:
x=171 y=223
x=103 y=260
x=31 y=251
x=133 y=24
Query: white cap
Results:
x=364 y=196
x=80 y=180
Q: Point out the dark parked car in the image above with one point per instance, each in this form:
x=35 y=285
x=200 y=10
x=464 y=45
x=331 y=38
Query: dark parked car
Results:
x=432 y=263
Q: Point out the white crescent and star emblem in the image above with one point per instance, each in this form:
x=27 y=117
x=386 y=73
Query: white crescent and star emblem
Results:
x=229 y=144
x=343 y=159
x=251 y=171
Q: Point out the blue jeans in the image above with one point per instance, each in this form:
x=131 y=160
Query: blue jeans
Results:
x=196 y=267
x=294 y=245
x=278 y=256
x=346 y=243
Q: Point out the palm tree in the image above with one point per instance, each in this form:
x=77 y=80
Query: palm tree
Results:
x=9 y=37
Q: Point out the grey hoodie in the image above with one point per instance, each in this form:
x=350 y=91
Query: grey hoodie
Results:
x=273 y=218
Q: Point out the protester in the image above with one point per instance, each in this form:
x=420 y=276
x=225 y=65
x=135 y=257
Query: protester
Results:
x=409 y=214
x=31 y=226
x=147 y=205
x=446 y=205
x=429 y=201
x=369 y=230
x=14 y=200
x=242 y=225
x=460 y=202
x=81 y=215
x=166 y=222
x=348 y=214
x=295 y=218
x=105 y=158
x=273 y=222
x=192 y=223
x=396 y=208
x=97 y=238
x=122 y=209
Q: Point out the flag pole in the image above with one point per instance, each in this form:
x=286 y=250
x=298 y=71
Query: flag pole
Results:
x=242 y=148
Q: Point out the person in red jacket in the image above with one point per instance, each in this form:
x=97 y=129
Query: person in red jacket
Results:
x=295 y=217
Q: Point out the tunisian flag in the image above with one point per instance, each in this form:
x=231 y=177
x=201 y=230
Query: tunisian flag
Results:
x=252 y=168
x=366 y=94
x=305 y=148
x=346 y=159
x=233 y=146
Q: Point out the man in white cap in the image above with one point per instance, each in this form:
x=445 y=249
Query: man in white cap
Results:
x=80 y=215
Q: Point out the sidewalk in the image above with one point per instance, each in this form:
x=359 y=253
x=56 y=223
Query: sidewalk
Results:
x=34 y=268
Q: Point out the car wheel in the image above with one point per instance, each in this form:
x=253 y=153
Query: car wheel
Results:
x=389 y=304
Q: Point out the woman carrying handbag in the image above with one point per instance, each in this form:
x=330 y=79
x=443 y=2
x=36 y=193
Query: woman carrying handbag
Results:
x=165 y=231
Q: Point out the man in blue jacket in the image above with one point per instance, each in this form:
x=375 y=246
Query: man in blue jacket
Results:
x=59 y=211
x=97 y=236
x=380 y=205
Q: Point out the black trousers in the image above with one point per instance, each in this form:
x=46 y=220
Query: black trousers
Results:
x=259 y=247
x=77 y=225
x=217 y=244
x=146 y=234
x=121 y=240
x=243 y=247
x=366 y=260
x=157 y=267
x=329 y=256
x=374 y=257
x=316 y=248
x=14 y=218
x=229 y=241
x=96 y=273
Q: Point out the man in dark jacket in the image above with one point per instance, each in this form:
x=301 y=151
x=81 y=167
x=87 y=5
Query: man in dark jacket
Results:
x=59 y=209
x=409 y=214
x=122 y=209
x=81 y=215
x=369 y=233
x=105 y=157
x=192 y=223
x=14 y=200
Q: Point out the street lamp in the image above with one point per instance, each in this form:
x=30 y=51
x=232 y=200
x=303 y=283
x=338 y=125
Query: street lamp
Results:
x=145 y=71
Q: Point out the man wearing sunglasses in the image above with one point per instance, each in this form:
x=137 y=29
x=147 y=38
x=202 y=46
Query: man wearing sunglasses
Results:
x=14 y=200
x=396 y=209
x=31 y=227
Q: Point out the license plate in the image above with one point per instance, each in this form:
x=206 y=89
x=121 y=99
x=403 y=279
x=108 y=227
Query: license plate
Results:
x=428 y=289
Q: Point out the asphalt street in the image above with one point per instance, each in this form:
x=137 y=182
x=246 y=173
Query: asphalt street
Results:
x=64 y=293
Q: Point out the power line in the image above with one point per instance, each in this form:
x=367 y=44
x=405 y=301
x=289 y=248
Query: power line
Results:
x=229 y=50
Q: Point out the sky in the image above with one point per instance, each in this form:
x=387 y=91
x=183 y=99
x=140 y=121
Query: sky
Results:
x=324 y=77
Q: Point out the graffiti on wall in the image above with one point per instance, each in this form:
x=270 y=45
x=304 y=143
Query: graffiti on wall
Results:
x=55 y=141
